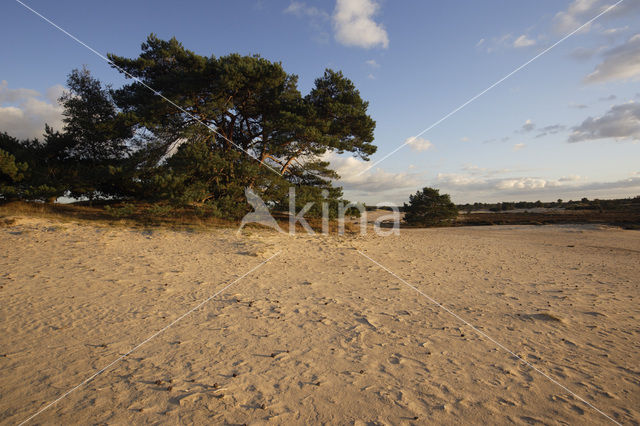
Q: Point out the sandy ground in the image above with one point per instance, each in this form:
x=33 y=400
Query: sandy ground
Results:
x=319 y=334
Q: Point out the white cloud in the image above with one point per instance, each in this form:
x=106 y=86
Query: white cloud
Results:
x=353 y=176
x=505 y=38
x=473 y=184
x=519 y=146
x=528 y=126
x=24 y=112
x=578 y=12
x=301 y=9
x=316 y=18
x=372 y=63
x=480 y=42
x=523 y=41
x=460 y=180
x=15 y=95
x=497 y=43
x=419 y=144
x=620 y=122
x=571 y=178
x=354 y=25
x=483 y=183
x=486 y=188
x=507 y=42
x=526 y=183
x=615 y=31
x=581 y=11
x=620 y=63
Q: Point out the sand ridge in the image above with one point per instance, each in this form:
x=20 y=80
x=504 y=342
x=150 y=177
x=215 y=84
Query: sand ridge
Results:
x=320 y=334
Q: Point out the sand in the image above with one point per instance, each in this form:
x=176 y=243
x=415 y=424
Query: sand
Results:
x=319 y=333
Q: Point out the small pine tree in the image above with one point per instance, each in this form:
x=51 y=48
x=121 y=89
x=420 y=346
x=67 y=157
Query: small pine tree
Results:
x=429 y=208
x=11 y=172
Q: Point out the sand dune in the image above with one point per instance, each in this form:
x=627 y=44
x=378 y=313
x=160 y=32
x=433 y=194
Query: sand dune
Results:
x=319 y=333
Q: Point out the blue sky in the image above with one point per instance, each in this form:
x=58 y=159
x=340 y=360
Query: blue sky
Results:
x=565 y=126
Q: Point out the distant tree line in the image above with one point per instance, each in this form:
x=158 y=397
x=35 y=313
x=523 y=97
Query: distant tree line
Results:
x=233 y=122
x=582 y=204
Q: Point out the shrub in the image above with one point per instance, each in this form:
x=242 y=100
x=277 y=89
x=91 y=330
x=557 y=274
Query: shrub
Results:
x=123 y=211
x=428 y=208
x=159 y=210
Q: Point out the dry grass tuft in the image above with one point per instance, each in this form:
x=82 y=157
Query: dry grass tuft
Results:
x=6 y=222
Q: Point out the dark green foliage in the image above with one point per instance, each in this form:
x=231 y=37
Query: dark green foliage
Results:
x=197 y=174
x=428 y=208
x=210 y=128
x=124 y=210
x=241 y=122
x=44 y=167
x=98 y=130
x=88 y=158
x=252 y=104
x=156 y=210
x=100 y=139
x=11 y=173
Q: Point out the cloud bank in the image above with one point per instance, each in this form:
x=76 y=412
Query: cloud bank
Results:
x=24 y=112
x=374 y=181
x=466 y=187
x=619 y=63
x=580 y=11
x=620 y=122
